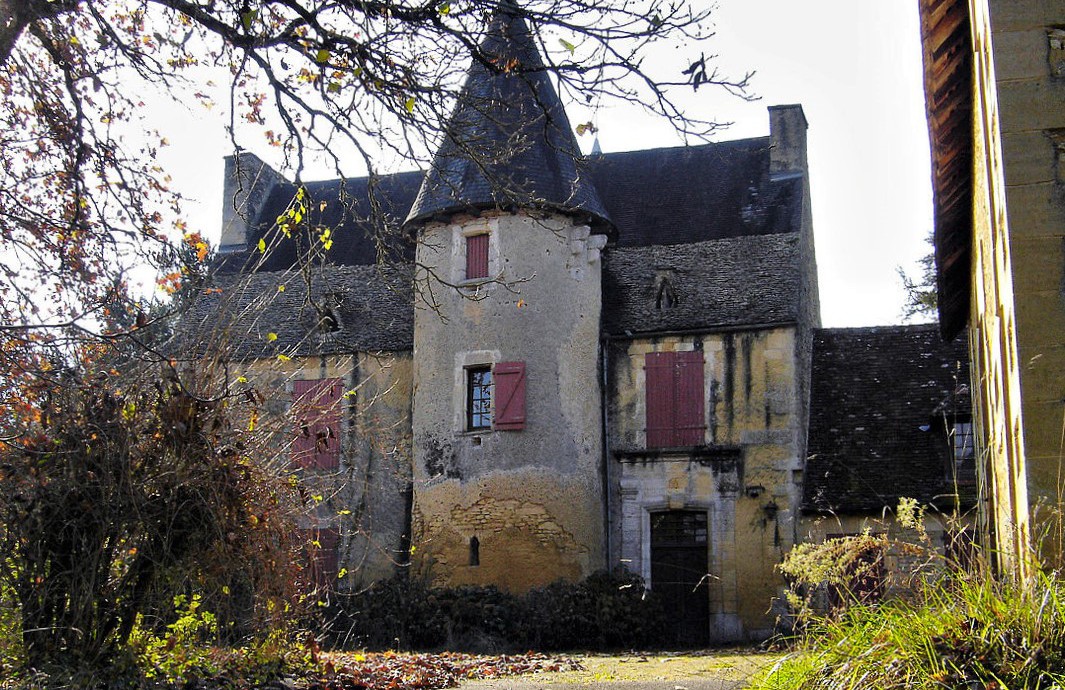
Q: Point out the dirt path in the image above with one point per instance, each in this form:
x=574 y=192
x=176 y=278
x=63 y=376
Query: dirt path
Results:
x=712 y=670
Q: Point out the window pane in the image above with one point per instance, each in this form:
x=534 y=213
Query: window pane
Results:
x=479 y=398
x=963 y=441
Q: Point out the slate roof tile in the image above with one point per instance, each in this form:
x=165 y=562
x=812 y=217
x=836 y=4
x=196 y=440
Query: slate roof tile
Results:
x=877 y=429
x=716 y=283
x=372 y=306
x=509 y=142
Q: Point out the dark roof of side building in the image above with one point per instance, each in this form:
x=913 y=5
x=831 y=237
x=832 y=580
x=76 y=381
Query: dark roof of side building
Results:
x=881 y=401
x=364 y=215
x=347 y=309
x=712 y=284
x=666 y=196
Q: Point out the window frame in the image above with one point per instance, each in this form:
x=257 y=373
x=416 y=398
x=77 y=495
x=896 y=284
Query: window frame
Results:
x=475 y=393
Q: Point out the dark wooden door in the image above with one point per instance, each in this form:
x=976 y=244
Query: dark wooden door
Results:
x=679 y=565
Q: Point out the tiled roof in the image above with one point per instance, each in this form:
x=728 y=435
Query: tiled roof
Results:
x=690 y=194
x=655 y=197
x=947 y=47
x=509 y=142
x=364 y=215
x=877 y=429
x=371 y=307
x=715 y=283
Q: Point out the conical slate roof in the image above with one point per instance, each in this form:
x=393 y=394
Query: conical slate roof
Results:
x=509 y=143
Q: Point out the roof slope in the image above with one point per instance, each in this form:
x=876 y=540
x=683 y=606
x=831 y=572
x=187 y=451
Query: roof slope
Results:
x=364 y=214
x=879 y=397
x=371 y=307
x=657 y=197
x=716 y=283
x=509 y=142
x=696 y=193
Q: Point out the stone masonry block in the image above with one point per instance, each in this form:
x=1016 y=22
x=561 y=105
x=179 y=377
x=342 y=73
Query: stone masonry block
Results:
x=1021 y=54
x=1031 y=157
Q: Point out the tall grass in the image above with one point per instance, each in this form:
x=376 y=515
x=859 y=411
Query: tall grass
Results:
x=955 y=630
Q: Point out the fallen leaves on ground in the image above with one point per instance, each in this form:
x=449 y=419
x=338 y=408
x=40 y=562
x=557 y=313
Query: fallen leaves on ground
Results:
x=394 y=670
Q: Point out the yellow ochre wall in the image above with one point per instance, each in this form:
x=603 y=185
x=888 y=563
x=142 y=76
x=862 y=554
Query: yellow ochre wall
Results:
x=753 y=406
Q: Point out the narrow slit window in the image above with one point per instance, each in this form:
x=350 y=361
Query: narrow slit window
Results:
x=475 y=551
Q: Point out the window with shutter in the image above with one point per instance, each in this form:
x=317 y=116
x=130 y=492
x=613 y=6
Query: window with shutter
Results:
x=675 y=399
x=316 y=407
x=477 y=256
x=510 y=395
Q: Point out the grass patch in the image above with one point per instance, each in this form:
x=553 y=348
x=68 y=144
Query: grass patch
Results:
x=959 y=631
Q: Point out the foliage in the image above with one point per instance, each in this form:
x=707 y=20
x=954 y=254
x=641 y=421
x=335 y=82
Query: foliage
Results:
x=952 y=625
x=84 y=198
x=922 y=294
x=965 y=631
x=604 y=611
x=608 y=610
x=123 y=493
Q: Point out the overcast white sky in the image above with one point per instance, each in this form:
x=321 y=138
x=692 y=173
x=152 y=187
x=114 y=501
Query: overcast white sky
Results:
x=854 y=65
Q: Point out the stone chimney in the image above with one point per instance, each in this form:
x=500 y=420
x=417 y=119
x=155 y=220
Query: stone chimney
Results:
x=787 y=136
x=248 y=183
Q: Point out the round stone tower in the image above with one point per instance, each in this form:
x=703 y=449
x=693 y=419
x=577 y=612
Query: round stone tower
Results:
x=508 y=441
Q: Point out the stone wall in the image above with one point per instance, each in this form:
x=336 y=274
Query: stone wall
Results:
x=745 y=476
x=1029 y=63
x=366 y=498
x=531 y=497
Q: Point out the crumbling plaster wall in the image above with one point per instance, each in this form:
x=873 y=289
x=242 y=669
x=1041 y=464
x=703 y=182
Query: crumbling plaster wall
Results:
x=367 y=497
x=532 y=497
x=750 y=494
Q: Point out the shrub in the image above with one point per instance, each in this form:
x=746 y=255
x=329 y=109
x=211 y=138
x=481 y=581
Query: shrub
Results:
x=605 y=611
x=956 y=627
x=121 y=494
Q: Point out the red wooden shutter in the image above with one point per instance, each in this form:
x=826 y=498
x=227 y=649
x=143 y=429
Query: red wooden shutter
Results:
x=658 y=370
x=688 y=402
x=477 y=256
x=319 y=554
x=316 y=405
x=509 y=381
x=326 y=559
x=304 y=417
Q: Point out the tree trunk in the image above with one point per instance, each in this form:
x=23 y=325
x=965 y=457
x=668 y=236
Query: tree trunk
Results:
x=16 y=15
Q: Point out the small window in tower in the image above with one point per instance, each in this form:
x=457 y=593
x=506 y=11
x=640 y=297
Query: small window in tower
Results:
x=478 y=398
x=475 y=551
x=477 y=256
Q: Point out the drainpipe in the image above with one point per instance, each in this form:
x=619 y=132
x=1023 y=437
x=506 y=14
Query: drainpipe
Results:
x=604 y=395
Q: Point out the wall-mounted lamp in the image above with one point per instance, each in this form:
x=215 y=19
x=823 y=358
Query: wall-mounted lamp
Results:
x=755 y=490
